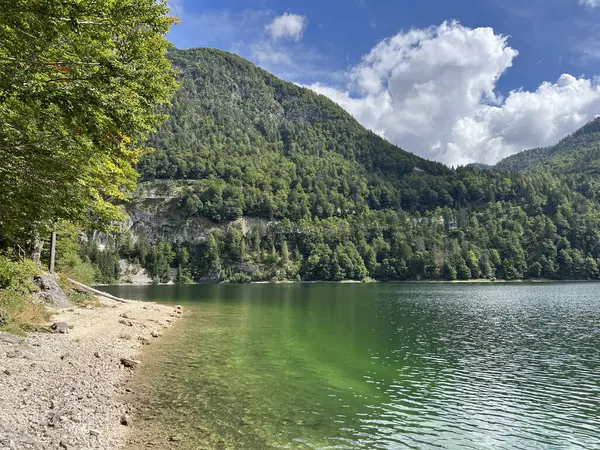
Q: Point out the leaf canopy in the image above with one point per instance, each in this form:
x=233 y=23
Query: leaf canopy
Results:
x=80 y=84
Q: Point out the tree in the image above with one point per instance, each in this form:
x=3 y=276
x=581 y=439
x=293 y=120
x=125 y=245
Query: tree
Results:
x=184 y=273
x=80 y=84
x=213 y=255
x=285 y=252
x=236 y=244
x=591 y=268
x=462 y=269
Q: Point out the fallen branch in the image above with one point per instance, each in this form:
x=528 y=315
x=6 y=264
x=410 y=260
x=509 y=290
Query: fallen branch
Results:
x=96 y=291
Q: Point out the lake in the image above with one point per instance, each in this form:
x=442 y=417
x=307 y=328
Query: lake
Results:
x=375 y=366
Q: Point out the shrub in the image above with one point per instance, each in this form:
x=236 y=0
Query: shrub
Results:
x=17 y=274
x=17 y=306
x=76 y=269
x=82 y=299
x=240 y=278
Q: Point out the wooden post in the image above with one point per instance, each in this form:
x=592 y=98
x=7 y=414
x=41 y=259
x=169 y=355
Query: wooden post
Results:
x=52 y=251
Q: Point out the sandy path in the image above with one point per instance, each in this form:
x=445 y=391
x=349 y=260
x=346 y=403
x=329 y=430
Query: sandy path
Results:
x=62 y=391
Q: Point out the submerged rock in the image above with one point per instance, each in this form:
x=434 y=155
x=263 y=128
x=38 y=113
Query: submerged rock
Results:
x=130 y=363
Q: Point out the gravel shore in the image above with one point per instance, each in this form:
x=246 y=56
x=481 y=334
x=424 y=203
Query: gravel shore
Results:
x=64 y=391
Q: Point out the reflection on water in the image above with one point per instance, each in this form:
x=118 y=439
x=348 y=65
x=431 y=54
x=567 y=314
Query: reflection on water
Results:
x=380 y=366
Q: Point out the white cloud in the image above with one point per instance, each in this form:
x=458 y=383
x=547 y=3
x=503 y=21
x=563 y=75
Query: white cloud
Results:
x=176 y=6
x=433 y=91
x=244 y=33
x=289 y=26
x=590 y=3
x=267 y=54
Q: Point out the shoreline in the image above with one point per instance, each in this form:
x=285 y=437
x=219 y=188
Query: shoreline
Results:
x=476 y=281
x=65 y=391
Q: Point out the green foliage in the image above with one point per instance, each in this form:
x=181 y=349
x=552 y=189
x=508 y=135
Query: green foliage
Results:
x=69 y=262
x=82 y=299
x=575 y=154
x=17 y=275
x=80 y=83
x=17 y=306
x=276 y=151
x=239 y=278
x=103 y=263
x=337 y=202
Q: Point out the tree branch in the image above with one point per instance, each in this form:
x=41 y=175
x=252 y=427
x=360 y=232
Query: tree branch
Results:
x=49 y=63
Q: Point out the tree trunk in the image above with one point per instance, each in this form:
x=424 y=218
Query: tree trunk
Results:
x=96 y=291
x=52 y=251
x=36 y=254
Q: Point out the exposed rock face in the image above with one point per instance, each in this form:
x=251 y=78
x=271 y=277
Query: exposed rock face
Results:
x=50 y=292
x=133 y=273
x=157 y=217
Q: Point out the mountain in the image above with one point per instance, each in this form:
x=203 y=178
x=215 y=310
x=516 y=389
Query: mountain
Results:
x=576 y=153
x=255 y=178
x=255 y=139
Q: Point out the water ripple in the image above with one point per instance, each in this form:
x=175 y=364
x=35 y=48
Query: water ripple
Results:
x=386 y=367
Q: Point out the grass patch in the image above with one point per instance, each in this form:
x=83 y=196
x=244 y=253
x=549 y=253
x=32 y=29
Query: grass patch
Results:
x=83 y=299
x=20 y=312
x=76 y=295
x=18 y=309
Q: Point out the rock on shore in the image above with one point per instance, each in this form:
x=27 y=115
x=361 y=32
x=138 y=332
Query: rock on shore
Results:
x=61 y=391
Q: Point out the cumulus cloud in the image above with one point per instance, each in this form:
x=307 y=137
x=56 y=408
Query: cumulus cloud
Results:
x=433 y=91
x=287 y=26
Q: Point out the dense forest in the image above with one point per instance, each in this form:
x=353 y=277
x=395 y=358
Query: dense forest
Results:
x=254 y=178
x=578 y=153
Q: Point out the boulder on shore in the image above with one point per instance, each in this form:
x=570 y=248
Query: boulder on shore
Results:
x=50 y=292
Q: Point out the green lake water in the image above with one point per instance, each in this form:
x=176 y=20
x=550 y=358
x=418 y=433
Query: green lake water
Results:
x=377 y=366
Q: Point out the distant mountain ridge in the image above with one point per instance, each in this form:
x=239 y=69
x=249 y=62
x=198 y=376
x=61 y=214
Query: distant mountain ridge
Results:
x=577 y=153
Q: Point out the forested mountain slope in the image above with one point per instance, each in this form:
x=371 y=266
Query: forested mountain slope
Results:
x=576 y=153
x=262 y=145
x=254 y=178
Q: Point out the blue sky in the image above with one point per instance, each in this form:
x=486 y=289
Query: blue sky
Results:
x=457 y=81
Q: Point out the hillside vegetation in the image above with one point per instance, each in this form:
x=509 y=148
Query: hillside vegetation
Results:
x=254 y=178
x=578 y=153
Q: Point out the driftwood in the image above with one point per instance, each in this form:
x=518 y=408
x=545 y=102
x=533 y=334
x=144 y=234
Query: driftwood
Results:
x=97 y=292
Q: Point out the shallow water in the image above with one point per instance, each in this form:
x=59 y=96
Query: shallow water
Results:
x=381 y=366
